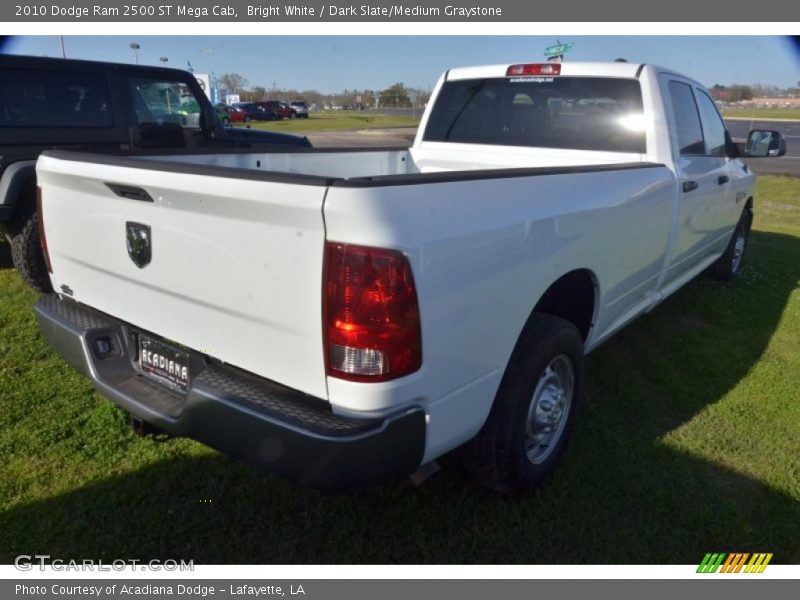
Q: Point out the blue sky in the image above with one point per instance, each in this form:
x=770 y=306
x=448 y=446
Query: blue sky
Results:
x=333 y=63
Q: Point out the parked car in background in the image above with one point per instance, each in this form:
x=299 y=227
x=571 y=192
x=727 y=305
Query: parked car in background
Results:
x=283 y=110
x=231 y=114
x=237 y=114
x=300 y=109
x=222 y=114
x=102 y=107
x=271 y=109
x=254 y=111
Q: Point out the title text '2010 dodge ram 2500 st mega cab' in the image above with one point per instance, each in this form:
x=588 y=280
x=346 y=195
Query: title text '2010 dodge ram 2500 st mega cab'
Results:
x=346 y=316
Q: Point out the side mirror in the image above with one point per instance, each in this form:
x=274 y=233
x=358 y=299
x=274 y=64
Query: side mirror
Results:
x=210 y=124
x=763 y=143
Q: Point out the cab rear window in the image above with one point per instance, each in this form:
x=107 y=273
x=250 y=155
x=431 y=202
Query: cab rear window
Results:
x=582 y=113
x=49 y=98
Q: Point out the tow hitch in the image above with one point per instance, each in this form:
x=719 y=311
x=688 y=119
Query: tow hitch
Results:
x=143 y=429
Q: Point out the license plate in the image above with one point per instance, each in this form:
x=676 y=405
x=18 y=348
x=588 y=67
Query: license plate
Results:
x=164 y=364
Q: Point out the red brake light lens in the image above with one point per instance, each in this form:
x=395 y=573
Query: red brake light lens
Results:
x=371 y=314
x=40 y=223
x=543 y=69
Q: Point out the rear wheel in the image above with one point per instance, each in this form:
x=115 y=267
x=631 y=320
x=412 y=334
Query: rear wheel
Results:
x=729 y=266
x=26 y=253
x=534 y=410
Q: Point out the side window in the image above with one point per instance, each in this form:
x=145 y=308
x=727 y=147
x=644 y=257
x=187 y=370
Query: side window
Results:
x=158 y=102
x=714 y=126
x=687 y=119
x=49 y=98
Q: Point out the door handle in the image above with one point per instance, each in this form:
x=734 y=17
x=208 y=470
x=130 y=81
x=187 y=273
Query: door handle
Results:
x=723 y=179
x=688 y=186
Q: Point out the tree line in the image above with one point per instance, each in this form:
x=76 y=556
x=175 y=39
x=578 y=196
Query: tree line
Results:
x=395 y=96
x=739 y=93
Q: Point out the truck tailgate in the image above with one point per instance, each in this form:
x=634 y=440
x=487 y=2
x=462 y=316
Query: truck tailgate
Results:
x=235 y=269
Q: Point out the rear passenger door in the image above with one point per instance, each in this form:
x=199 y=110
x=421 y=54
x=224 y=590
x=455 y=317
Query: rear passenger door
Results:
x=702 y=177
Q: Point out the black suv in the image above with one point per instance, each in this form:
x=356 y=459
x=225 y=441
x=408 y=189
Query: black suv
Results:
x=100 y=107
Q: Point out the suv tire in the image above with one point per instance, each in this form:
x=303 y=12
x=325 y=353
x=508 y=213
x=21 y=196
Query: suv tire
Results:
x=26 y=253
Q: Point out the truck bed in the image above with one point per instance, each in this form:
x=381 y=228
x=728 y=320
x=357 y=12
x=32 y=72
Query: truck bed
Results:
x=359 y=167
x=238 y=238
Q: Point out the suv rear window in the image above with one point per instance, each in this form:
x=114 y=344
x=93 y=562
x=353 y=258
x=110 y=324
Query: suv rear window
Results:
x=582 y=113
x=49 y=98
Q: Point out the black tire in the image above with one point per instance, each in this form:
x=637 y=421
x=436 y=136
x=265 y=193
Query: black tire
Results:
x=26 y=254
x=729 y=266
x=292 y=115
x=505 y=456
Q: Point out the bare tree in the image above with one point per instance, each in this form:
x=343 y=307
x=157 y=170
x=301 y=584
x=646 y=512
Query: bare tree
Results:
x=233 y=82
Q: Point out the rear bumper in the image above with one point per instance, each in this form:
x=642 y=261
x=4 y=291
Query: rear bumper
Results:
x=247 y=417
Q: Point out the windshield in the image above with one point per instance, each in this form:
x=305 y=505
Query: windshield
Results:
x=582 y=113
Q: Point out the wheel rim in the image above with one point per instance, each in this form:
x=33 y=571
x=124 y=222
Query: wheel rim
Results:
x=549 y=409
x=738 y=250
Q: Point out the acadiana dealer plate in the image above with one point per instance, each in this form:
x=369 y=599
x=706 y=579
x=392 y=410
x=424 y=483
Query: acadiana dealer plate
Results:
x=164 y=364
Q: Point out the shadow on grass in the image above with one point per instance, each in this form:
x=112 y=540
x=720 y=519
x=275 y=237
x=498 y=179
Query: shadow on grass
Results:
x=621 y=495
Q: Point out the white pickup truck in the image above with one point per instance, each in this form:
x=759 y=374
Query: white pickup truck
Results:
x=345 y=316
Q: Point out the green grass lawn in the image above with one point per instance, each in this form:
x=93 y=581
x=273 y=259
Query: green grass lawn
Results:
x=338 y=120
x=688 y=442
x=763 y=113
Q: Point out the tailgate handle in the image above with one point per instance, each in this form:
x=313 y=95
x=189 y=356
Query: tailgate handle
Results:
x=688 y=186
x=130 y=192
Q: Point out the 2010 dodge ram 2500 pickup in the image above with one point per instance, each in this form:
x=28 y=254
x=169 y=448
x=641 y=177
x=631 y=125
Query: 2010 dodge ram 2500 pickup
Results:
x=346 y=316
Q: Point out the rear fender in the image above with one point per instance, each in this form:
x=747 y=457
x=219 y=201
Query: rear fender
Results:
x=16 y=185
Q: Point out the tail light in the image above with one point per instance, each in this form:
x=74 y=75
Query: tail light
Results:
x=40 y=222
x=371 y=314
x=534 y=69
